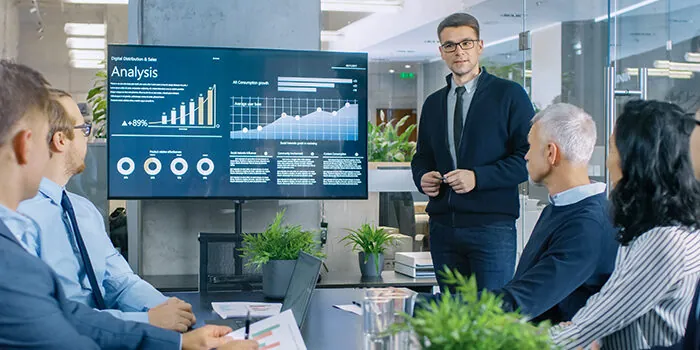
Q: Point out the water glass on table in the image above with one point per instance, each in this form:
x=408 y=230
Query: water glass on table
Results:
x=378 y=316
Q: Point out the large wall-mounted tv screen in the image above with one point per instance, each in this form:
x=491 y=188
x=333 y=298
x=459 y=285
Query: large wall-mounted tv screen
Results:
x=195 y=122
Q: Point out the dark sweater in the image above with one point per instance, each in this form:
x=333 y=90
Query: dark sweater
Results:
x=494 y=143
x=570 y=255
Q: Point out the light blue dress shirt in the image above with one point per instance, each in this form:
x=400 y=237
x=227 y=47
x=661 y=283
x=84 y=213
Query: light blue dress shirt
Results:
x=470 y=88
x=577 y=194
x=22 y=227
x=126 y=294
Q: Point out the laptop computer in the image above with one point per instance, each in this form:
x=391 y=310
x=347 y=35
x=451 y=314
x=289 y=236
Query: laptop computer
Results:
x=299 y=292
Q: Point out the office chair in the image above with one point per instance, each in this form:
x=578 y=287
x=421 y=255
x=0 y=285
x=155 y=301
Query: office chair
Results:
x=221 y=267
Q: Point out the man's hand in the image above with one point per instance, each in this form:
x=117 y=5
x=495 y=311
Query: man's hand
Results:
x=207 y=337
x=461 y=181
x=240 y=345
x=174 y=314
x=430 y=183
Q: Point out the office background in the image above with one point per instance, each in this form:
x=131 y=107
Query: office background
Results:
x=564 y=58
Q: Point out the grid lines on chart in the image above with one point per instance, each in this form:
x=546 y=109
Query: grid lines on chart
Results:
x=286 y=118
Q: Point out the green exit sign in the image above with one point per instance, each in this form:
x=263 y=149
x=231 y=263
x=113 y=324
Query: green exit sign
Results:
x=407 y=75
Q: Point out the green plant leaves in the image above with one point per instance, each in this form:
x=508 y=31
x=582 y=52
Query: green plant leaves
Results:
x=470 y=320
x=371 y=240
x=384 y=144
x=97 y=99
x=278 y=242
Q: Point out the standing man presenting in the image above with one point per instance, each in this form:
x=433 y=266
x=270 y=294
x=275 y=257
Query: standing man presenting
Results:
x=472 y=140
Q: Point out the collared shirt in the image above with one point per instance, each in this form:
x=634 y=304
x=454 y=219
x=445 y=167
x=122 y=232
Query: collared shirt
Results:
x=577 y=194
x=451 y=102
x=127 y=294
x=647 y=299
x=22 y=227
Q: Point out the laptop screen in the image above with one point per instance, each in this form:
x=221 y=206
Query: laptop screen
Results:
x=301 y=286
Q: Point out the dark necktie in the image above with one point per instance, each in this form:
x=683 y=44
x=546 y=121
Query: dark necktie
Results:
x=459 y=118
x=96 y=292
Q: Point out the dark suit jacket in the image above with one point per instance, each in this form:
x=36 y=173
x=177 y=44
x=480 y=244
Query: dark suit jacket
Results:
x=34 y=312
x=691 y=341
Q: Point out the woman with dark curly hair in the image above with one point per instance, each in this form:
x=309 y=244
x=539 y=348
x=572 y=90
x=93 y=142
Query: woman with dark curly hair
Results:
x=656 y=206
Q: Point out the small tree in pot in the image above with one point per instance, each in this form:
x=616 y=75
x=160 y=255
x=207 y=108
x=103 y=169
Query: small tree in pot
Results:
x=276 y=250
x=370 y=242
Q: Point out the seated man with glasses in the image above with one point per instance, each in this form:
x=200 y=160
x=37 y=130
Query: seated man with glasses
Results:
x=72 y=238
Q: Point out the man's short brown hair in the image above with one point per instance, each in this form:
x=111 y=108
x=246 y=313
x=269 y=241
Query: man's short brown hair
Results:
x=59 y=119
x=22 y=91
x=459 y=19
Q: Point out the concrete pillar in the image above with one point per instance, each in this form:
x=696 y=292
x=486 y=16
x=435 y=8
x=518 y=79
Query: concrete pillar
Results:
x=117 y=21
x=9 y=29
x=167 y=230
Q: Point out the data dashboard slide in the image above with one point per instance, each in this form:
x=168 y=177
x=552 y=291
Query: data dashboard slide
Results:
x=197 y=122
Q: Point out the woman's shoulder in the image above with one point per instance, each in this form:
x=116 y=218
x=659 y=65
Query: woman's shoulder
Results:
x=670 y=237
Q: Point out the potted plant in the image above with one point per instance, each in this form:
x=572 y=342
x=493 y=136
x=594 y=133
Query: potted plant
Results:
x=473 y=320
x=384 y=144
x=276 y=250
x=370 y=242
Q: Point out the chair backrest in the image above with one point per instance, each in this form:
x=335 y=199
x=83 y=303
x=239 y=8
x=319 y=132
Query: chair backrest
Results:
x=221 y=267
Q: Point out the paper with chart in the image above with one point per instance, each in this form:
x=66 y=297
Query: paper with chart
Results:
x=276 y=332
x=240 y=309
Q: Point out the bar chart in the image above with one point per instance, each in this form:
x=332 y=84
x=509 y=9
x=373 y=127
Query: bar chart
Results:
x=199 y=112
x=263 y=337
x=276 y=118
x=312 y=85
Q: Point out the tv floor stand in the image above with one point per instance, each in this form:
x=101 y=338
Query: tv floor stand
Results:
x=238 y=230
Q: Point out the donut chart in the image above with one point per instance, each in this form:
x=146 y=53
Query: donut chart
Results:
x=210 y=166
x=152 y=171
x=126 y=161
x=182 y=162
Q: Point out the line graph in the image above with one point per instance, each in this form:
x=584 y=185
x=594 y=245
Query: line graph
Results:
x=277 y=118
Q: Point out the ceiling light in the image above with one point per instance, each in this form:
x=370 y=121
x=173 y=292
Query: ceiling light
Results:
x=625 y=10
x=695 y=67
x=362 y=6
x=87 y=55
x=501 y=41
x=408 y=66
x=86 y=43
x=662 y=72
x=515 y=37
x=85 y=29
x=330 y=35
x=98 y=2
x=391 y=71
x=87 y=64
x=692 y=57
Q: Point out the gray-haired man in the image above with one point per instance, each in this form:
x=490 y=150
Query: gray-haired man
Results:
x=572 y=250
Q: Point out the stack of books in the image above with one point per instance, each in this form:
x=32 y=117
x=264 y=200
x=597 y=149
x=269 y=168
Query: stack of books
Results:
x=414 y=264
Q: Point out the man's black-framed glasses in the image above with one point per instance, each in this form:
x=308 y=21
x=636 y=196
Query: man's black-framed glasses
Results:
x=464 y=45
x=85 y=127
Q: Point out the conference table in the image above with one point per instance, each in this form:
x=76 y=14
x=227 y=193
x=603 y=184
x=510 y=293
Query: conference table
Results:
x=336 y=279
x=324 y=327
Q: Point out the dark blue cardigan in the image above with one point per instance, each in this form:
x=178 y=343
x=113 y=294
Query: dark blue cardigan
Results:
x=494 y=143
